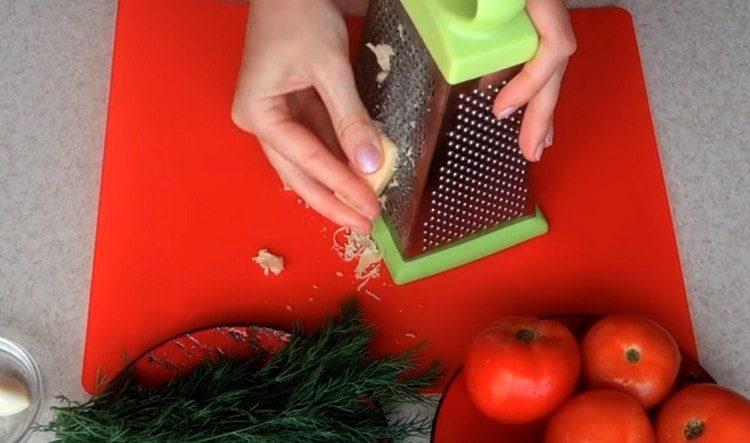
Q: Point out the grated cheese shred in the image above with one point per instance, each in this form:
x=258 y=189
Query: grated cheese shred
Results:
x=352 y=246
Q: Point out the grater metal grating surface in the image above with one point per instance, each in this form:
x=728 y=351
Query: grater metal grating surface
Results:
x=481 y=179
x=402 y=103
x=460 y=171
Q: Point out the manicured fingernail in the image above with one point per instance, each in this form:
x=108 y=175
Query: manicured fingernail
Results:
x=548 y=138
x=361 y=229
x=368 y=158
x=367 y=211
x=539 y=150
x=505 y=113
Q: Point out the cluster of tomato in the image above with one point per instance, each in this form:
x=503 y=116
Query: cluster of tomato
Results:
x=523 y=370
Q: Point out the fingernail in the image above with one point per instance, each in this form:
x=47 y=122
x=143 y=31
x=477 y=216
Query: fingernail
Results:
x=361 y=229
x=548 y=138
x=367 y=211
x=539 y=150
x=505 y=113
x=368 y=159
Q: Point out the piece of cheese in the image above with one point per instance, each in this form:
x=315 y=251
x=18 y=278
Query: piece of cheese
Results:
x=14 y=397
x=379 y=179
x=383 y=54
x=270 y=263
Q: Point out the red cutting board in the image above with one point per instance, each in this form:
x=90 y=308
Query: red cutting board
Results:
x=187 y=200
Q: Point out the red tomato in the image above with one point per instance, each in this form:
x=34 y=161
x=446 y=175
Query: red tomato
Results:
x=521 y=369
x=600 y=416
x=704 y=413
x=633 y=355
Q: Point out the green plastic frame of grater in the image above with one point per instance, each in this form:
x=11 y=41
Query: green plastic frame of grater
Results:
x=462 y=35
x=458 y=254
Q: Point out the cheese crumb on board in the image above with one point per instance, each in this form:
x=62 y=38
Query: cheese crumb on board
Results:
x=270 y=263
x=303 y=202
x=372 y=294
x=14 y=397
x=383 y=54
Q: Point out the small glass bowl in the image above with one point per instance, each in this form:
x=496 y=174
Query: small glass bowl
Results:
x=16 y=362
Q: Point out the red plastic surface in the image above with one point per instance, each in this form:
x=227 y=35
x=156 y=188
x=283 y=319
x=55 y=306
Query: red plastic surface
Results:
x=187 y=200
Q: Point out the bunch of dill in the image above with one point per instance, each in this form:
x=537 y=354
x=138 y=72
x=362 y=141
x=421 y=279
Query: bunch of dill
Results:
x=323 y=386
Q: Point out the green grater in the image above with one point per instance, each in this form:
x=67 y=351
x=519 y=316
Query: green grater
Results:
x=461 y=191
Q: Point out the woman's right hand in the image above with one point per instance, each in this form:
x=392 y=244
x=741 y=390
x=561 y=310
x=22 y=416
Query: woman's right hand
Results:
x=296 y=93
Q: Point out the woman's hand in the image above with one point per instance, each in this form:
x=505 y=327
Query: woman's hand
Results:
x=538 y=83
x=296 y=93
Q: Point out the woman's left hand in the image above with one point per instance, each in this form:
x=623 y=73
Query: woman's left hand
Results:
x=538 y=83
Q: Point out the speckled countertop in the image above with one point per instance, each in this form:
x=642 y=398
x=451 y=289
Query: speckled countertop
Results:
x=54 y=73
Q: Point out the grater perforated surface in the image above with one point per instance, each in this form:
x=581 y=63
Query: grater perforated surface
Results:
x=479 y=174
x=460 y=168
x=402 y=103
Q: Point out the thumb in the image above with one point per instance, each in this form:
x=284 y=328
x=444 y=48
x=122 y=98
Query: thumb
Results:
x=355 y=130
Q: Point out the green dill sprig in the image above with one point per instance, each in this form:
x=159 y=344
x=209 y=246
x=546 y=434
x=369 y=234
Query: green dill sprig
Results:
x=321 y=387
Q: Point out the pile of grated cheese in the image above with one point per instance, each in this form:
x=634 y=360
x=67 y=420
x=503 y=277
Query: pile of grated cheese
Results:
x=353 y=246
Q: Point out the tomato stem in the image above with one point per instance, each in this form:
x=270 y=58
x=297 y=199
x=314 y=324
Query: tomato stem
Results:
x=525 y=335
x=694 y=429
x=632 y=356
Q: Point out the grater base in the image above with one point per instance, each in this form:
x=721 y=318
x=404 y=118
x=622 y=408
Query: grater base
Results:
x=458 y=254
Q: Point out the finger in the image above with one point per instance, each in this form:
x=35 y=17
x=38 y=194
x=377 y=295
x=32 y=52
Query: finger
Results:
x=556 y=45
x=282 y=168
x=536 y=128
x=302 y=148
x=354 y=128
x=308 y=109
x=316 y=195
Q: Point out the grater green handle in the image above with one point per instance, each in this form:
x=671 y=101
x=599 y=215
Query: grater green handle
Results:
x=495 y=13
x=469 y=39
x=483 y=15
